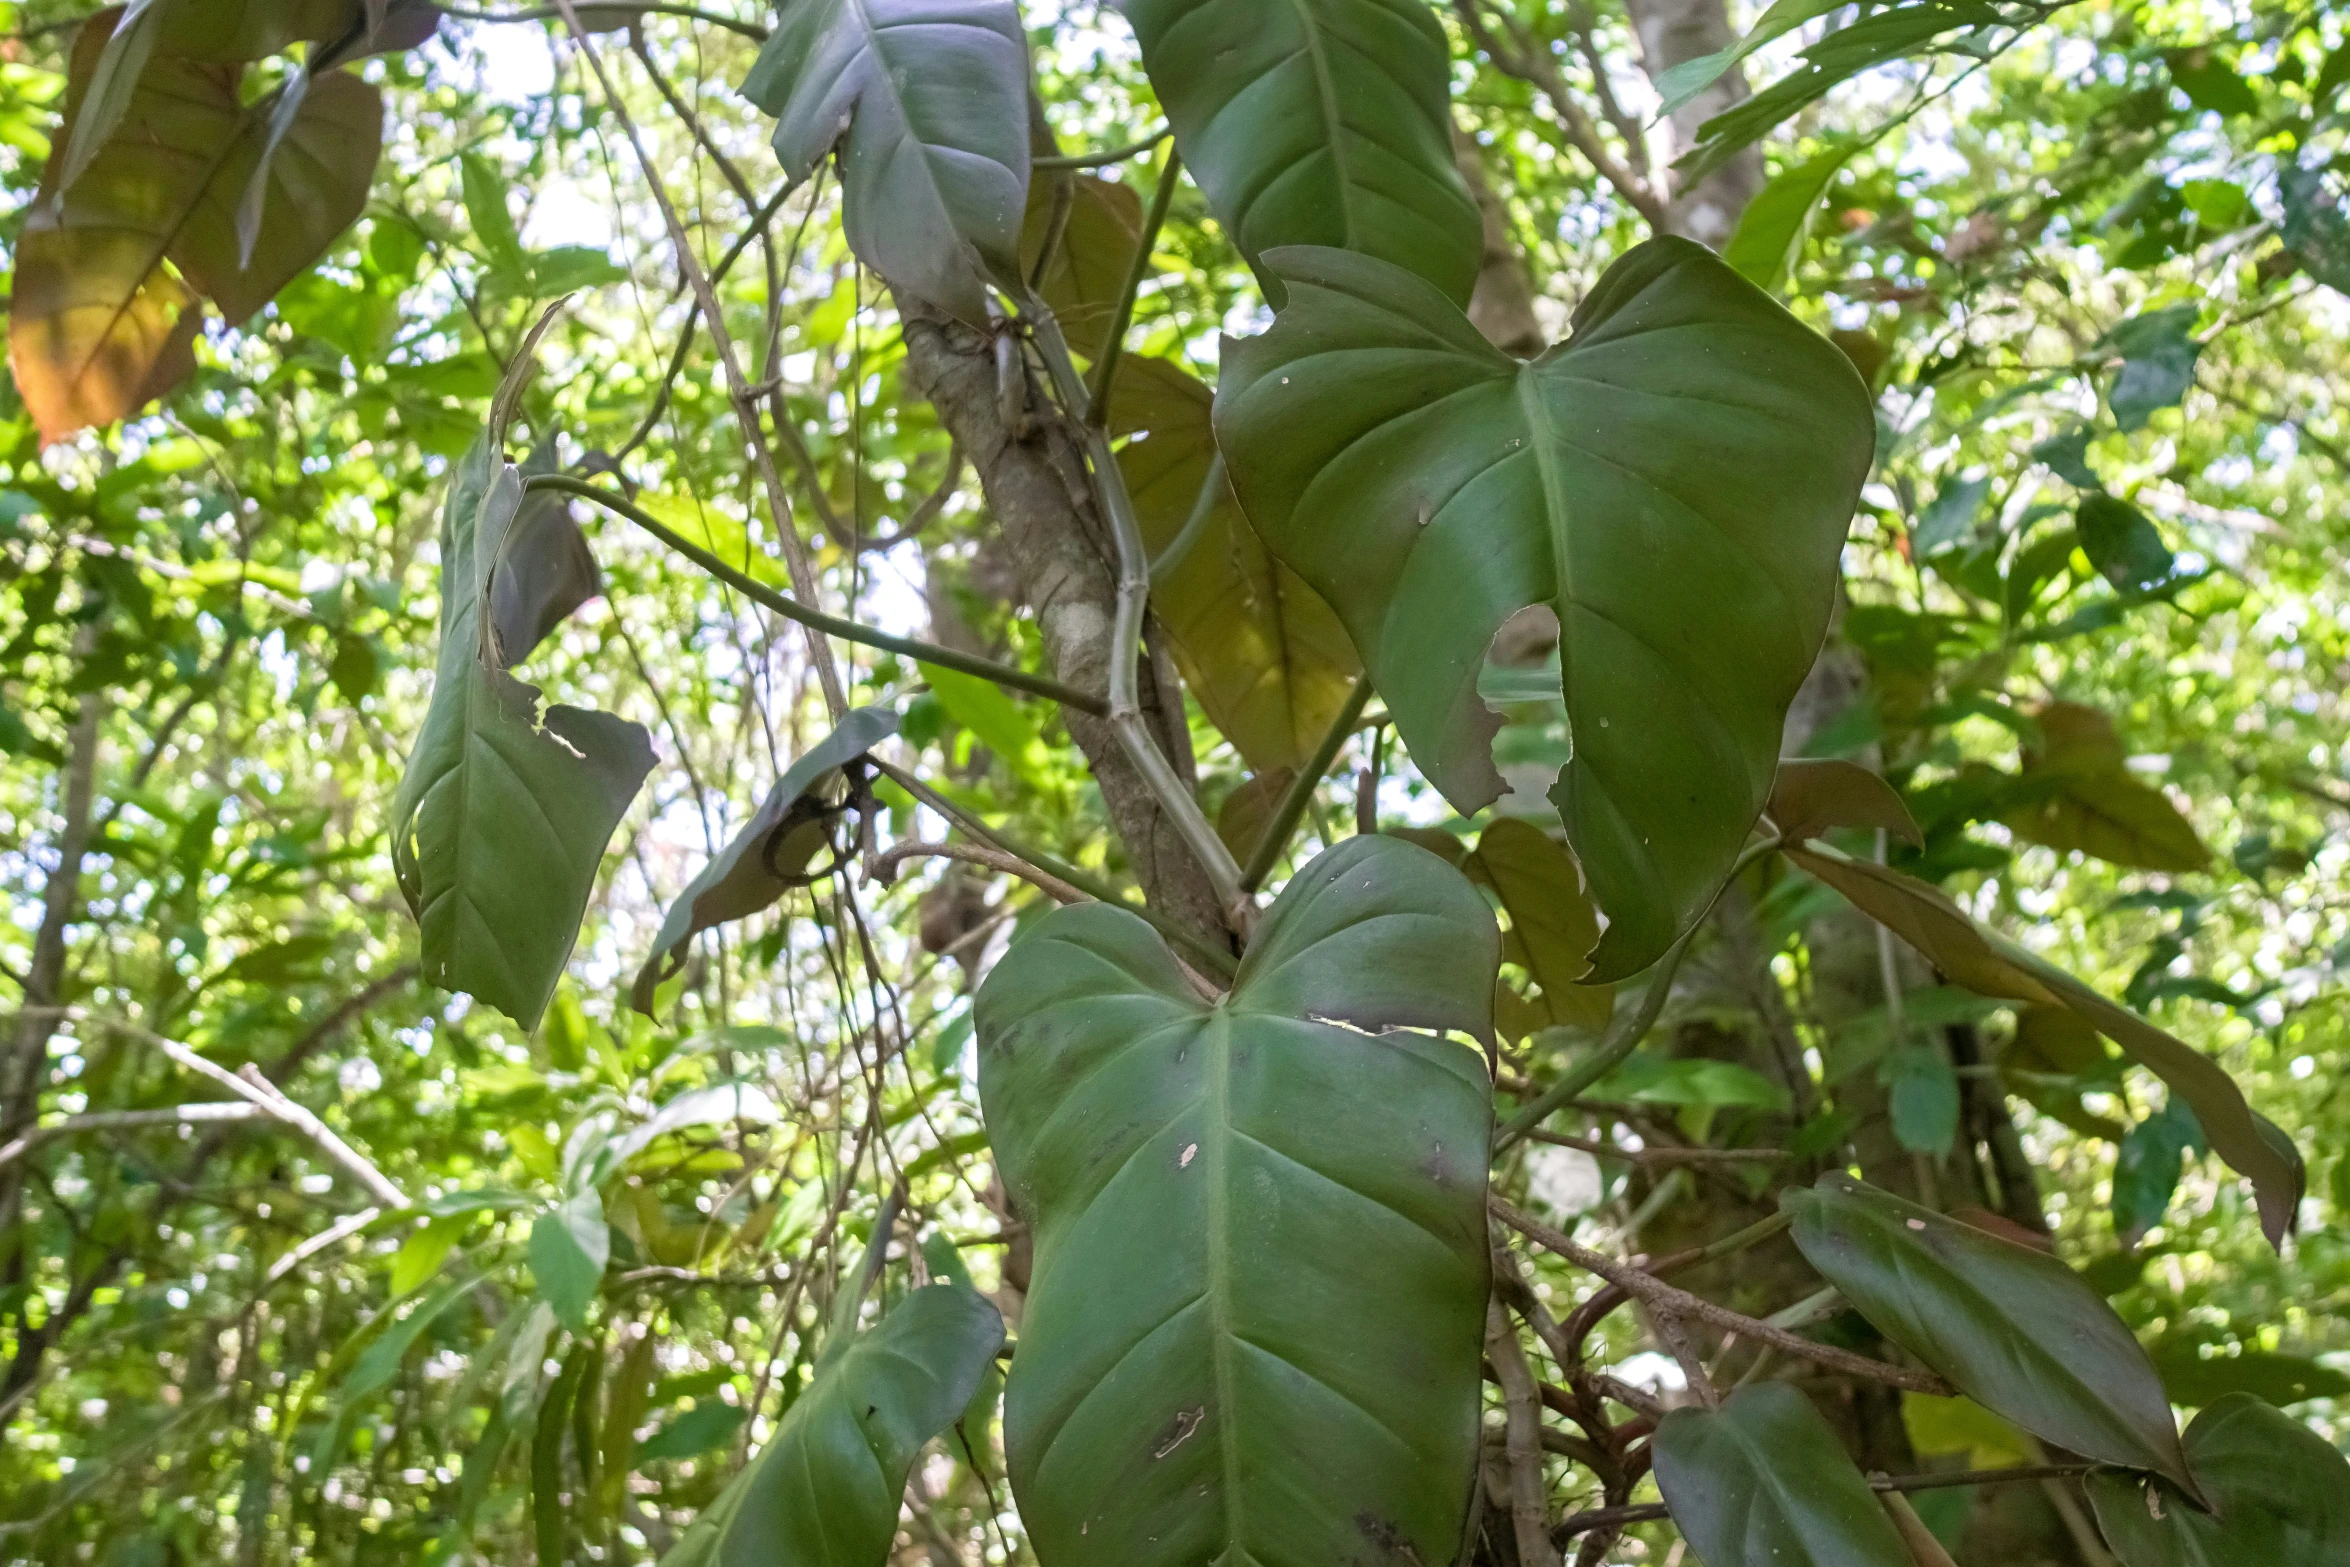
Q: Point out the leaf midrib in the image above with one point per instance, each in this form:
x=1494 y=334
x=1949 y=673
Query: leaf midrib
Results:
x=1333 y=122
x=1217 y=1138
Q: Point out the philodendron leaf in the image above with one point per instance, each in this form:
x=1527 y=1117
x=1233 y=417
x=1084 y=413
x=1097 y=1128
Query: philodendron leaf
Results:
x=1319 y=122
x=100 y=325
x=1991 y=965
x=1553 y=926
x=544 y=575
x=1257 y=1312
x=2279 y=1493
x=772 y=853
x=1674 y=481
x=503 y=816
x=1100 y=228
x=1763 y=1480
x=827 y=1488
x=2013 y=1328
x=1262 y=651
x=1813 y=797
x=927 y=103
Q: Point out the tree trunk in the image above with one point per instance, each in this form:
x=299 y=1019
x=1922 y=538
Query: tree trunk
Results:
x=1062 y=560
x=1673 y=32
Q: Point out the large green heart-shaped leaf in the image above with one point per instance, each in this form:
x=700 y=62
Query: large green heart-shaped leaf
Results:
x=502 y=818
x=827 y=1488
x=927 y=101
x=1674 y=481
x=1991 y=965
x=1258 y=1305
x=2009 y=1326
x=100 y=325
x=1318 y=122
x=1261 y=650
x=1763 y=1480
x=2280 y=1497
x=772 y=853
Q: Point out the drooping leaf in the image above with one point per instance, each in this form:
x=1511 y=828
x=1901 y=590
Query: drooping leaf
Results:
x=2199 y=1380
x=1810 y=797
x=1685 y=81
x=1990 y=965
x=569 y=1246
x=2081 y=796
x=1763 y=1479
x=99 y=326
x=502 y=818
x=1258 y=1298
x=1769 y=237
x=772 y=853
x=1826 y=65
x=927 y=103
x=545 y=574
x=2011 y=1327
x=1430 y=487
x=2158 y=352
x=1318 y=122
x=2315 y=225
x=2279 y=1493
x=226 y=32
x=1263 y=652
x=1094 y=254
x=826 y=1489
x=1553 y=926
x=2124 y=546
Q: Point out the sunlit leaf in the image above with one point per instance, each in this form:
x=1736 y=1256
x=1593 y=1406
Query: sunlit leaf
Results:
x=1263 y=652
x=2012 y=1328
x=2080 y=796
x=1809 y=798
x=927 y=103
x=1092 y=258
x=1320 y=122
x=1430 y=487
x=1258 y=1301
x=569 y=1246
x=827 y=1488
x=2158 y=353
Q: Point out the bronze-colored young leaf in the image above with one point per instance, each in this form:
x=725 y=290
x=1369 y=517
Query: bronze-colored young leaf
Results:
x=773 y=852
x=2011 y=1327
x=1674 y=481
x=927 y=103
x=542 y=573
x=2279 y=1495
x=1553 y=926
x=1257 y=1311
x=1764 y=1480
x=827 y=1488
x=502 y=818
x=1991 y=965
x=1249 y=809
x=1263 y=652
x=1812 y=797
x=2081 y=797
x=109 y=268
x=1318 y=122
x=1086 y=275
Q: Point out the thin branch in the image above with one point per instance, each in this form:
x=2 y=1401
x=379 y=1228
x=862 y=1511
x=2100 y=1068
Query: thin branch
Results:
x=1278 y=831
x=259 y=1091
x=817 y=620
x=342 y=1230
x=1664 y=1298
x=1531 y=62
x=116 y=1120
x=549 y=13
x=744 y=396
x=1174 y=797
x=1098 y=160
x=885 y=868
x=1105 y=374
x=1657 y=1155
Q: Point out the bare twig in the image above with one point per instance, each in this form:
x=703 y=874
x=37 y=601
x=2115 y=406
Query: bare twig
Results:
x=1528 y=1509
x=116 y=1120
x=548 y=13
x=1666 y=1299
x=1526 y=58
x=885 y=868
x=744 y=395
x=1657 y=1155
x=342 y=1230
x=1656 y=1512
